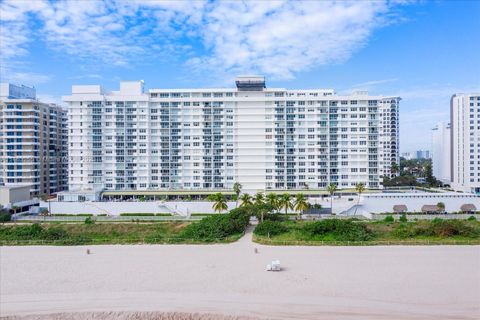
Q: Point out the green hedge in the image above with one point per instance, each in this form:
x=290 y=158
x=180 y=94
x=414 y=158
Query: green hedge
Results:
x=72 y=215
x=5 y=216
x=438 y=228
x=140 y=214
x=33 y=232
x=269 y=228
x=338 y=230
x=219 y=226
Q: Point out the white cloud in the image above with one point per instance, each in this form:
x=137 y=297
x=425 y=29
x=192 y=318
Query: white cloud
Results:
x=87 y=76
x=47 y=98
x=7 y=74
x=282 y=38
x=275 y=38
x=372 y=83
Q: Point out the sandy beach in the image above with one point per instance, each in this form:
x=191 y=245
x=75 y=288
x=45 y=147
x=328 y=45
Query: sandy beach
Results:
x=397 y=282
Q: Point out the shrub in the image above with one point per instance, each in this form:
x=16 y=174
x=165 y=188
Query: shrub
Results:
x=403 y=231
x=54 y=233
x=472 y=218
x=241 y=216
x=447 y=228
x=438 y=228
x=270 y=228
x=73 y=215
x=89 y=220
x=5 y=216
x=22 y=232
x=137 y=214
x=403 y=218
x=275 y=217
x=219 y=226
x=341 y=230
x=389 y=219
x=211 y=228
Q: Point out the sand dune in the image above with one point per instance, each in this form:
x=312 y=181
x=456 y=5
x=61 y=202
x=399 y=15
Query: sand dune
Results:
x=398 y=282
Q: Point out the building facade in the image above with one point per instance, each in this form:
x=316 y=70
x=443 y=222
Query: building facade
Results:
x=264 y=138
x=465 y=142
x=419 y=154
x=441 y=152
x=33 y=142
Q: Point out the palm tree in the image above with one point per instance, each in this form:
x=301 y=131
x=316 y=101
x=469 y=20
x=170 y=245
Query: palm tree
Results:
x=220 y=202
x=360 y=187
x=237 y=188
x=441 y=206
x=245 y=199
x=285 y=202
x=259 y=199
x=394 y=169
x=332 y=187
x=272 y=200
x=14 y=209
x=301 y=204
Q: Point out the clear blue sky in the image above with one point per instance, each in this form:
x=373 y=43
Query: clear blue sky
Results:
x=422 y=51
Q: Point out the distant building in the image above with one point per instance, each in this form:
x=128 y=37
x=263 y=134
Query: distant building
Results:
x=465 y=142
x=422 y=154
x=407 y=155
x=441 y=150
x=33 y=141
x=12 y=91
x=419 y=154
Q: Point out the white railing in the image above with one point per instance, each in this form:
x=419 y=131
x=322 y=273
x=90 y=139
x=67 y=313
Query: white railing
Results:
x=37 y=218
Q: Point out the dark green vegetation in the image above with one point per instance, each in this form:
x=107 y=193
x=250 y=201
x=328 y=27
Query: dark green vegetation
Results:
x=409 y=171
x=73 y=215
x=220 y=226
x=214 y=228
x=5 y=216
x=145 y=214
x=270 y=228
x=349 y=231
x=90 y=233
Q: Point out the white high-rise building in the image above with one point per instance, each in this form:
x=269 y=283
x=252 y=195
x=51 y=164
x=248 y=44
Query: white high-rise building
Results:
x=33 y=141
x=441 y=159
x=264 y=138
x=465 y=143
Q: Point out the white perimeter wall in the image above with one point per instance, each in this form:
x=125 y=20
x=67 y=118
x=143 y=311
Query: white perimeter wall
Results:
x=116 y=208
x=414 y=202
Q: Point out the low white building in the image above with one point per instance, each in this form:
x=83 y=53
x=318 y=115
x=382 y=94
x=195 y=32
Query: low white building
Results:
x=412 y=202
x=17 y=197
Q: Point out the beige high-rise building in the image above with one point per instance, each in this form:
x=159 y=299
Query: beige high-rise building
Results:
x=33 y=141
